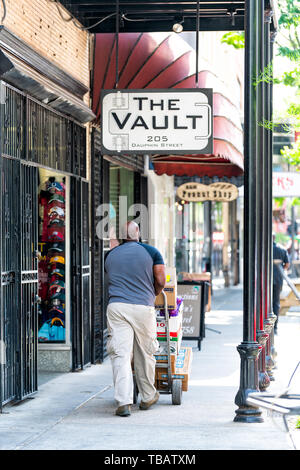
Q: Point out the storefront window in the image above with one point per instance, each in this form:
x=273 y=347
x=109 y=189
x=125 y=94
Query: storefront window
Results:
x=52 y=261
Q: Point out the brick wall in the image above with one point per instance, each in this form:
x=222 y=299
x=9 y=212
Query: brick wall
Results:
x=38 y=23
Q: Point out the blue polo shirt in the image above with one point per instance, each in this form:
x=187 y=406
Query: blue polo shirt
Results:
x=129 y=268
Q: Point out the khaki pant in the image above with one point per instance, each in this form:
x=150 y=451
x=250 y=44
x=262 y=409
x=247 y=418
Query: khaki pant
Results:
x=132 y=330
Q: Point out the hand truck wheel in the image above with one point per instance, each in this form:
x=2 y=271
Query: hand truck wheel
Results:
x=176 y=392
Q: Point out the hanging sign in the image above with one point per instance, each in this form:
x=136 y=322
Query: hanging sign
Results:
x=196 y=192
x=152 y=121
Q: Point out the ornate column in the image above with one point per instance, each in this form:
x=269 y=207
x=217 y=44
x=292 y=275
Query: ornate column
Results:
x=249 y=349
x=269 y=316
x=261 y=202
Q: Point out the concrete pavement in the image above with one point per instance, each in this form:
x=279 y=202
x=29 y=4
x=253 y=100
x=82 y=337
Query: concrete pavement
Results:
x=75 y=411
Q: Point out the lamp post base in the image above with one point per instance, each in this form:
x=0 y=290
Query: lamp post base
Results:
x=249 y=353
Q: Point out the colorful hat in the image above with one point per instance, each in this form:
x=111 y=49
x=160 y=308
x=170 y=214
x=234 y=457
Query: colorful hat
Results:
x=57 y=222
x=57 y=292
x=56 y=187
x=56 y=233
x=55 y=277
x=56 y=313
x=58 y=246
x=58 y=283
x=57 y=259
x=57 y=269
x=56 y=203
x=56 y=211
x=43 y=334
x=56 y=303
x=57 y=321
x=52 y=330
x=57 y=197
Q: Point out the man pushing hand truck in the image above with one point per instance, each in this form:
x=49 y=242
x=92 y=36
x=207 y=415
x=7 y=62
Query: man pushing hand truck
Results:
x=136 y=275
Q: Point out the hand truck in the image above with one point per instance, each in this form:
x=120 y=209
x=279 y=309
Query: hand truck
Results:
x=174 y=385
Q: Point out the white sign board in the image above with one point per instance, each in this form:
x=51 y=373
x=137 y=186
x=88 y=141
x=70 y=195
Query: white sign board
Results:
x=286 y=184
x=151 y=121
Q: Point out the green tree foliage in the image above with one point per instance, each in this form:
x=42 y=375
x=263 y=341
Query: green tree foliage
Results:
x=289 y=22
x=288 y=46
x=292 y=154
x=234 y=38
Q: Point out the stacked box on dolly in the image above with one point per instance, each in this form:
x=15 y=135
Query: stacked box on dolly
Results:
x=180 y=357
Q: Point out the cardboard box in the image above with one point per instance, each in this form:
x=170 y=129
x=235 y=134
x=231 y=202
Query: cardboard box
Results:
x=182 y=369
x=175 y=344
x=170 y=290
x=174 y=335
x=163 y=359
x=175 y=325
x=194 y=276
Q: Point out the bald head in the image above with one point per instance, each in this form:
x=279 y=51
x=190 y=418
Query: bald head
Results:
x=130 y=231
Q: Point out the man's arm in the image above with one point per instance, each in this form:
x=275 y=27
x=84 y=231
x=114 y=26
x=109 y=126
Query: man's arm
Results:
x=286 y=261
x=159 y=273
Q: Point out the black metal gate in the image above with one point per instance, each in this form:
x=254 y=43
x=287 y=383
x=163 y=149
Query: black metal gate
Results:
x=19 y=280
x=80 y=273
x=10 y=215
x=27 y=321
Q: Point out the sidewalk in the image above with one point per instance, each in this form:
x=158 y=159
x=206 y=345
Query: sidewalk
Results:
x=75 y=411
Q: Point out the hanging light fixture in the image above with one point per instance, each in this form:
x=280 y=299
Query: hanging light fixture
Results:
x=177 y=26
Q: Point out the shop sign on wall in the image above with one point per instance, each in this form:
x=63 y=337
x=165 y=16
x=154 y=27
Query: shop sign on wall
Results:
x=196 y=192
x=152 y=121
x=286 y=184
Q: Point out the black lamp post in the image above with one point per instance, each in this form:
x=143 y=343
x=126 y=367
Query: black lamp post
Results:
x=269 y=317
x=261 y=201
x=249 y=349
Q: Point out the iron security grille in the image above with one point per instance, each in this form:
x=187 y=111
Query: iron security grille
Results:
x=27 y=323
x=13 y=142
x=34 y=132
x=33 y=135
x=80 y=267
x=10 y=210
x=19 y=281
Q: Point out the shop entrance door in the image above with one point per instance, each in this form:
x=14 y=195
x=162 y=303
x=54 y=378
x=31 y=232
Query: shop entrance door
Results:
x=80 y=271
x=19 y=281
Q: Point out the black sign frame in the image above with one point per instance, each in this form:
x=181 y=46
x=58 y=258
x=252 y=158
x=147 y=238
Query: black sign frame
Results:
x=203 y=303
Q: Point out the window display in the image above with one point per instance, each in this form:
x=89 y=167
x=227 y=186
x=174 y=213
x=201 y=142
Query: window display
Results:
x=52 y=289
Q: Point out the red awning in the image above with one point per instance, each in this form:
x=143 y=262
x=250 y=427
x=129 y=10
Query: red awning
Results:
x=162 y=60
